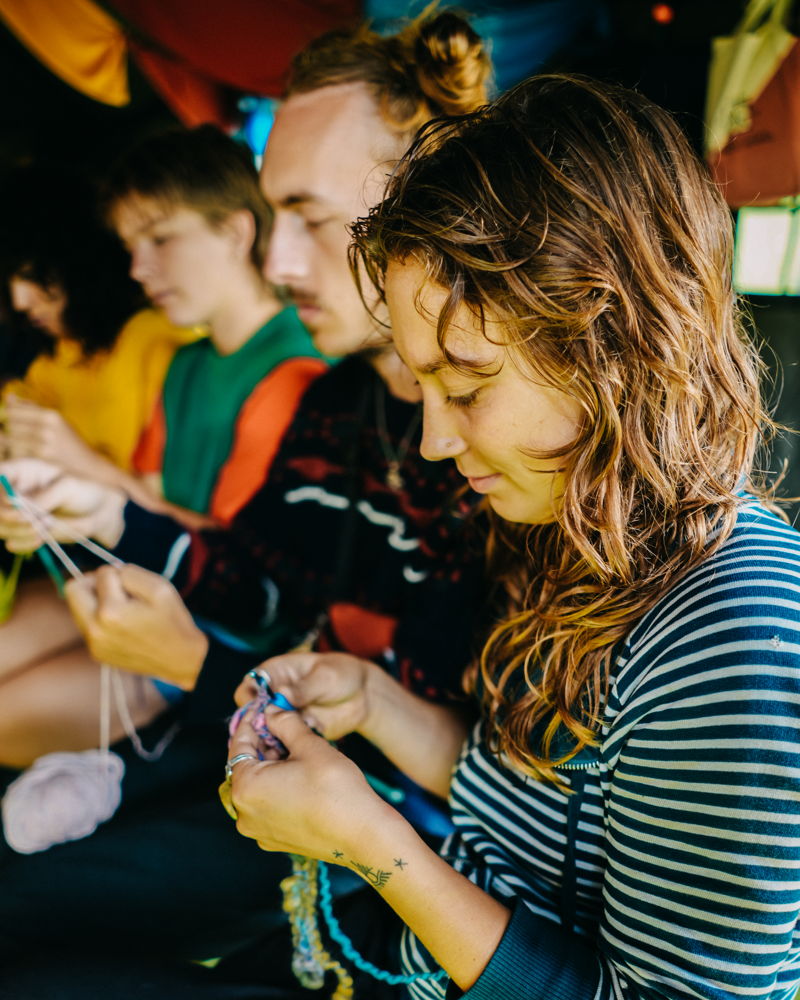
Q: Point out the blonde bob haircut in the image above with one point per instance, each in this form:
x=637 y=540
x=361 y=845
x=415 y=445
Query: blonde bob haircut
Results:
x=577 y=214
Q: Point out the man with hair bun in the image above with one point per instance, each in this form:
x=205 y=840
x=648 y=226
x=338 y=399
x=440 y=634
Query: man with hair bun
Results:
x=361 y=540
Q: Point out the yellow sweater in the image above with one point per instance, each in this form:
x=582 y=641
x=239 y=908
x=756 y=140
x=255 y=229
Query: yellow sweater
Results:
x=107 y=398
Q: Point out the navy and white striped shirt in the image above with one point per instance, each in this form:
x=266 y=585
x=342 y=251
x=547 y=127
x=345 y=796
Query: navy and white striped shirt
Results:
x=673 y=871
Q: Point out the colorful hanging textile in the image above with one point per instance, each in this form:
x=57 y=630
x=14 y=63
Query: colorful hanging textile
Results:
x=77 y=41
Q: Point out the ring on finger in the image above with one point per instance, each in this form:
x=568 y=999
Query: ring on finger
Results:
x=237 y=759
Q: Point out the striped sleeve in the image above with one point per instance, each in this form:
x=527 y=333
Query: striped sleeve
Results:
x=689 y=830
x=702 y=888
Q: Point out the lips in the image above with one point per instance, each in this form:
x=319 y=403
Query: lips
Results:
x=483 y=483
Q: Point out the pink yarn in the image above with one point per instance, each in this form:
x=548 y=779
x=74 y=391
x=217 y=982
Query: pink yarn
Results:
x=61 y=797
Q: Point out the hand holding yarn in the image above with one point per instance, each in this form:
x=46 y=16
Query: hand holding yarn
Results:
x=70 y=506
x=313 y=802
x=329 y=689
x=34 y=431
x=135 y=619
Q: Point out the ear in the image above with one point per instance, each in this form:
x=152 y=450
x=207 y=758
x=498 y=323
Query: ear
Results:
x=241 y=227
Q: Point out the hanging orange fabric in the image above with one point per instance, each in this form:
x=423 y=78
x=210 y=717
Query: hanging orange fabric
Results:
x=77 y=41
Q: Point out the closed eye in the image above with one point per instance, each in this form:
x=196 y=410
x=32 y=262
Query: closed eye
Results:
x=463 y=402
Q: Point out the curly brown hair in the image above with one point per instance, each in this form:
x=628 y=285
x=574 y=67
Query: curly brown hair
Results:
x=577 y=214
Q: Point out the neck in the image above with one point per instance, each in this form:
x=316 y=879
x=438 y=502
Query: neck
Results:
x=392 y=369
x=235 y=323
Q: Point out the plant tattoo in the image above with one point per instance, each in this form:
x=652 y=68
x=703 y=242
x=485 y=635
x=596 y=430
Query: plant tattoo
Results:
x=377 y=878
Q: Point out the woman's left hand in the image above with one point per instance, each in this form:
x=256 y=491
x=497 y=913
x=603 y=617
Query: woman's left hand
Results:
x=315 y=802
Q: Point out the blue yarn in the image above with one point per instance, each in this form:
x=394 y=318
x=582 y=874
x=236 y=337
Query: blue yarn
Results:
x=348 y=949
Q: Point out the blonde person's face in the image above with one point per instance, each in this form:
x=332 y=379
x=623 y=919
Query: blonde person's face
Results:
x=325 y=164
x=186 y=267
x=487 y=420
x=42 y=306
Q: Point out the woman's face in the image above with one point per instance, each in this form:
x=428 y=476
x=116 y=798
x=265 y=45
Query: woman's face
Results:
x=43 y=306
x=188 y=268
x=487 y=419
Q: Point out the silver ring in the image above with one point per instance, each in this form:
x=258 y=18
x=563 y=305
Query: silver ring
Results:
x=237 y=759
x=265 y=674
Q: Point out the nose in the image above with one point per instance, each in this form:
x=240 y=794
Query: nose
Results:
x=140 y=263
x=441 y=437
x=287 y=260
x=21 y=294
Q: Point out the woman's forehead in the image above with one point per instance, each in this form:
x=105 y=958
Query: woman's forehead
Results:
x=415 y=305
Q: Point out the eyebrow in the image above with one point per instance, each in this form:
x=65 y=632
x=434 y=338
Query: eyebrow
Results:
x=440 y=363
x=146 y=226
x=302 y=198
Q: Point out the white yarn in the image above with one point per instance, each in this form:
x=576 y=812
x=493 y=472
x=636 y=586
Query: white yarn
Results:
x=65 y=796
x=61 y=797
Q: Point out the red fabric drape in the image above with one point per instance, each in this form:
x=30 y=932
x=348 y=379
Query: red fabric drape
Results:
x=244 y=44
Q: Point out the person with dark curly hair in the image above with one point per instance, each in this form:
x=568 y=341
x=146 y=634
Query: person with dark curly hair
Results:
x=63 y=273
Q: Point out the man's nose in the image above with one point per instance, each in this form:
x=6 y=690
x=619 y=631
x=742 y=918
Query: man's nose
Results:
x=287 y=260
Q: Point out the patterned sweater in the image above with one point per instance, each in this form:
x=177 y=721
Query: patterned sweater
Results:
x=673 y=870
x=413 y=580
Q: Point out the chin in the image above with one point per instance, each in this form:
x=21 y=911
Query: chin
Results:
x=337 y=341
x=519 y=513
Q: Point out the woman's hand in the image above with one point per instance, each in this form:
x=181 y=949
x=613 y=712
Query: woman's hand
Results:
x=337 y=694
x=136 y=620
x=329 y=689
x=315 y=802
x=70 y=506
x=34 y=431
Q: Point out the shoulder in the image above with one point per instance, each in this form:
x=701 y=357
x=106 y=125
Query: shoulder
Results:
x=733 y=617
x=337 y=389
x=149 y=326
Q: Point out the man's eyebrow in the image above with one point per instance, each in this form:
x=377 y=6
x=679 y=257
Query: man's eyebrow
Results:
x=301 y=198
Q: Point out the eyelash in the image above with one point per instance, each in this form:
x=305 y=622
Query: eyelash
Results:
x=316 y=223
x=463 y=402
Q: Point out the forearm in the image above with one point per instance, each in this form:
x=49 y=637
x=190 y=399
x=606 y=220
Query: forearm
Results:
x=457 y=922
x=421 y=738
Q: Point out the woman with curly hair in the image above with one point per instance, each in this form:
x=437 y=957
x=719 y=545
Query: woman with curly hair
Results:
x=625 y=797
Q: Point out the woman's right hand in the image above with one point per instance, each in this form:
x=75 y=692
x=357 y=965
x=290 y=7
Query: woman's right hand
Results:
x=70 y=506
x=331 y=690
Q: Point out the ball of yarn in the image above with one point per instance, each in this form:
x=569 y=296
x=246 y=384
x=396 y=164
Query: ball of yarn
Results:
x=61 y=797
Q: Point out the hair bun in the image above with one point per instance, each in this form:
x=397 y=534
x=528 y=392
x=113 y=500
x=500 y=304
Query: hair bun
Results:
x=452 y=64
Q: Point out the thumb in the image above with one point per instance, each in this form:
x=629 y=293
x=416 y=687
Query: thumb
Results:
x=143 y=583
x=292 y=731
x=54 y=495
x=82 y=600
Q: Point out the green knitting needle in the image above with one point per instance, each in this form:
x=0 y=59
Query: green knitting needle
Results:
x=42 y=552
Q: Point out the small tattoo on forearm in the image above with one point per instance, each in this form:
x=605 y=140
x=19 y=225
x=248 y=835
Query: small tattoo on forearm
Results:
x=399 y=863
x=378 y=878
x=338 y=854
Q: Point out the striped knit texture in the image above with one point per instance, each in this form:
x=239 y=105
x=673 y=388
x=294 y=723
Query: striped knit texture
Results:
x=686 y=831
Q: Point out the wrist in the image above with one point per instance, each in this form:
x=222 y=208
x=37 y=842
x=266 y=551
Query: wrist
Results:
x=192 y=658
x=381 y=836
x=378 y=689
x=110 y=520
